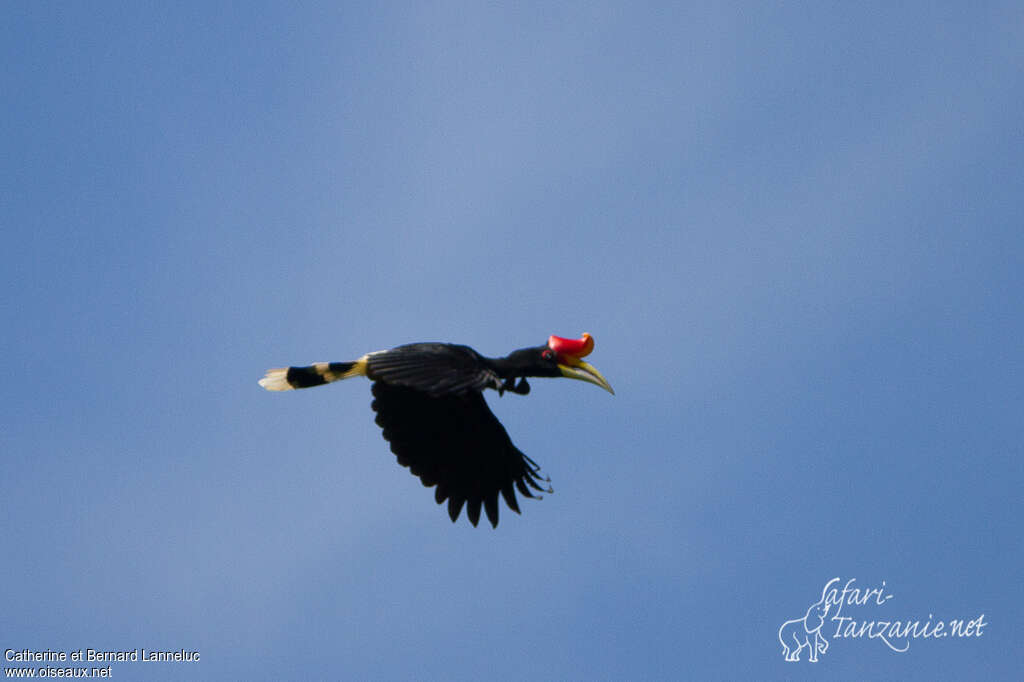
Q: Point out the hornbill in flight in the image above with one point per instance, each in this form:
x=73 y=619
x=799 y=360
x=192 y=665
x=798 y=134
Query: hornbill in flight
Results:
x=429 y=401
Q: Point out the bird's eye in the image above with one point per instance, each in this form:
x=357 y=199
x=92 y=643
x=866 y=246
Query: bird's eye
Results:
x=548 y=354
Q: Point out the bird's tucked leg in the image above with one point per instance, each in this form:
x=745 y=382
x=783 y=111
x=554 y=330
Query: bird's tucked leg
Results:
x=522 y=387
x=510 y=385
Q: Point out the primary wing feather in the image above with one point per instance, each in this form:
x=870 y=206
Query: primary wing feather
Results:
x=455 y=442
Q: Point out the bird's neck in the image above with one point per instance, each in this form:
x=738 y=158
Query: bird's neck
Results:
x=506 y=367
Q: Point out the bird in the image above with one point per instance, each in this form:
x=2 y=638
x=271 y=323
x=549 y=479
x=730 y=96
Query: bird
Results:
x=429 y=402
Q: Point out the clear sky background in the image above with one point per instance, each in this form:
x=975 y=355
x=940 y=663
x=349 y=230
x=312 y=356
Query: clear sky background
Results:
x=794 y=230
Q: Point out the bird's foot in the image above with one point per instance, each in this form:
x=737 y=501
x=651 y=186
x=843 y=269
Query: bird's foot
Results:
x=510 y=385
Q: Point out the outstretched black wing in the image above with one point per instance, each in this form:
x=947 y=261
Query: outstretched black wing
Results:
x=455 y=442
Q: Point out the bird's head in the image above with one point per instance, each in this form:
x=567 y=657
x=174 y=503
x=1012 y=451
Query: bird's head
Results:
x=560 y=358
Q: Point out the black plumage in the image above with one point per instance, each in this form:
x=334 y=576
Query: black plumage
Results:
x=429 y=403
x=456 y=443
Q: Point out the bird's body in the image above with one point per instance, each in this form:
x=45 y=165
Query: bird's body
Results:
x=429 y=402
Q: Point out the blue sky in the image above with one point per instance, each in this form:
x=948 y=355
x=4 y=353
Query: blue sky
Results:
x=794 y=230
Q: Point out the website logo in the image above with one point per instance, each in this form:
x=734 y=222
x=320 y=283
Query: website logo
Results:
x=845 y=611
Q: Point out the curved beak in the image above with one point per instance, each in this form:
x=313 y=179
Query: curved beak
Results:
x=574 y=368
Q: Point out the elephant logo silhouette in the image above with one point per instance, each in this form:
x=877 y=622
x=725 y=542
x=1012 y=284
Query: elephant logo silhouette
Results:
x=800 y=633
